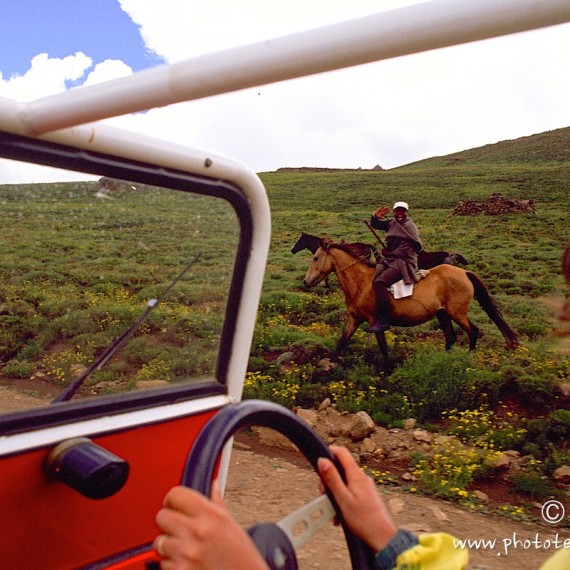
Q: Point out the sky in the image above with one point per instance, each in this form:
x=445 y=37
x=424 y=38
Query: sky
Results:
x=386 y=113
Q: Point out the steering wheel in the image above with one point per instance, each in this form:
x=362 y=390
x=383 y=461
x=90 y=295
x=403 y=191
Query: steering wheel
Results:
x=202 y=460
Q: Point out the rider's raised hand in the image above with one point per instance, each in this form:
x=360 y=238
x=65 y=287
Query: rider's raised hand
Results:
x=381 y=212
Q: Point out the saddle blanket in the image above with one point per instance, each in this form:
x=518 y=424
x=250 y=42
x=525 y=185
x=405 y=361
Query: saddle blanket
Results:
x=401 y=290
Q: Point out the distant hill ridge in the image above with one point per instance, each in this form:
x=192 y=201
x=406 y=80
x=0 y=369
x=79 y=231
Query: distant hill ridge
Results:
x=550 y=146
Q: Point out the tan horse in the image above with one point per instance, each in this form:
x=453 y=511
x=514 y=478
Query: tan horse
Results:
x=446 y=293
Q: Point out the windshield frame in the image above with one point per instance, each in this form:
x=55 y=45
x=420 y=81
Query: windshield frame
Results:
x=17 y=147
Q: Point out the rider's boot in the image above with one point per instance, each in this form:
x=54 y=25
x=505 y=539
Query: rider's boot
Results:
x=382 y=322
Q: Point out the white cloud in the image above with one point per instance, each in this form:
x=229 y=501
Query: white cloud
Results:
x=107 y=70
x=46 y=76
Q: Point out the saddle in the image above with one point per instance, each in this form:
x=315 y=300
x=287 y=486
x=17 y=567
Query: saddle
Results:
x=400 y=289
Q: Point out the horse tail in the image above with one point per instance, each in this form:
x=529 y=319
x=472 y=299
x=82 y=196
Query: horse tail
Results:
x=490 y=306
x=458 y=258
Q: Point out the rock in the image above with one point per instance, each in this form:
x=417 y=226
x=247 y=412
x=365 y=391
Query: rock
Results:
x=326 y=364
x=407 y=476
x=417 y=527
x=77 y=370
x=241 y=446
x=410 y=423
x=286 y=358
x=422 y=435
x=274 y=439
x=501 y=462
x=562 y=474
x=481 y=496
x=564 y=389
x=396 y=505
x=308 y=416
x=361 y=426
x=325 y=404
x=439 y=514
x=367 y=445
x=512 y=453
x=495 y=205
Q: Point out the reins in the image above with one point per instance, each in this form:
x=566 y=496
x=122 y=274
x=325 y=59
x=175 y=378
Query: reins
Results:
x=356 y=260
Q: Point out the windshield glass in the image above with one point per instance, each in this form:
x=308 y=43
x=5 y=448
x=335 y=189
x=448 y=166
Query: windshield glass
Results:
x=81 y=263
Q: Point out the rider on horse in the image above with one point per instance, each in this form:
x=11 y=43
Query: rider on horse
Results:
x=400 y=259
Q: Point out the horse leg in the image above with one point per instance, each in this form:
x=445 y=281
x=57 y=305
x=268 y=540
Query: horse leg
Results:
x=471 y=330
x=446 y=325
x=352 y=324
x=473 y=336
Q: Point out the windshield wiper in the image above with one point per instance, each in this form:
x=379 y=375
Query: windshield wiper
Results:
x=99 y=362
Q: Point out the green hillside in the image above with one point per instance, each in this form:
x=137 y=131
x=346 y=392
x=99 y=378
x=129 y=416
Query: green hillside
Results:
x=551 y=146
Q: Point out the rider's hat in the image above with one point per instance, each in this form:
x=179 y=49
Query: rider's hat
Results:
x=401 y=205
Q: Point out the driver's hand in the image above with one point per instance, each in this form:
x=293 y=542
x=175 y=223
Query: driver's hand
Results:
x=201 y=534
x=362 y=508
x=381 y=212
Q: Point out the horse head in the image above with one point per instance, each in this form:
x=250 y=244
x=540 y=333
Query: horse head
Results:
x=321 y=265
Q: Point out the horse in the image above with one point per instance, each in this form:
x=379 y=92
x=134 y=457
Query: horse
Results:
x=445 y=293
x=426 y=259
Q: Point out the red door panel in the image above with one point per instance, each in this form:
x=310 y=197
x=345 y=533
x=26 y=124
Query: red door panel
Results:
x=45 y=524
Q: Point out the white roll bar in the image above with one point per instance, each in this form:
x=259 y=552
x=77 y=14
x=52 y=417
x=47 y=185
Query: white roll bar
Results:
x=408 y=30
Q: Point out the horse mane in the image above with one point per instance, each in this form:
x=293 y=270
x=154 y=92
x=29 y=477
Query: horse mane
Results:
x=359 y=251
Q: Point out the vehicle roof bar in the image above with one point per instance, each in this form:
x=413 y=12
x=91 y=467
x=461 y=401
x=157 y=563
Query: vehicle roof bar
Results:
x=404 y=31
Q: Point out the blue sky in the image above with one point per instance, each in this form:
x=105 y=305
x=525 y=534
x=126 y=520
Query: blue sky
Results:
x=388 y=113
x=98 y=28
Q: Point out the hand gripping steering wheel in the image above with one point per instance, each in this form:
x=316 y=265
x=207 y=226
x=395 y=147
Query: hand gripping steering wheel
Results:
x=271 y=541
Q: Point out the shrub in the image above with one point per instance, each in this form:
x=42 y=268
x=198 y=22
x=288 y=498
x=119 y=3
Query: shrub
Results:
x=18 y=369
x=435 y=382
x=60 y=366
x=484 y=428
x=533 y=485
x=451 y=468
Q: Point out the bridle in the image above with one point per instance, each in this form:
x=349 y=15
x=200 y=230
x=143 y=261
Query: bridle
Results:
x=337 y=271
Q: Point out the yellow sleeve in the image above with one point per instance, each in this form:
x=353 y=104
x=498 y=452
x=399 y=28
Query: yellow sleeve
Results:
x=558 y=561
x=435 y=551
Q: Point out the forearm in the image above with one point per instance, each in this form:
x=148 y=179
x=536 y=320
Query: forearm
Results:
x=379 y=224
